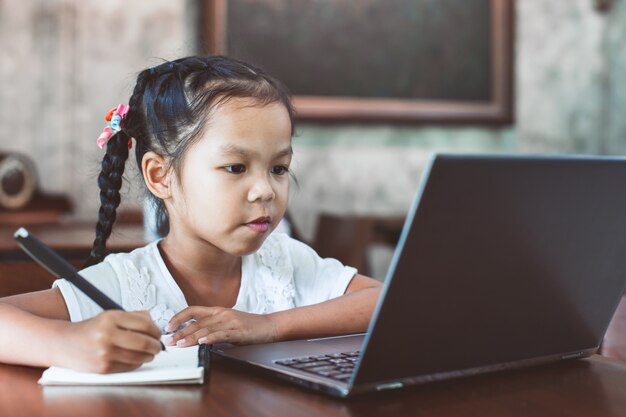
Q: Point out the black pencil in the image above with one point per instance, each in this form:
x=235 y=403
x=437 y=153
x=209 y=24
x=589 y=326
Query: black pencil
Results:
x=60 y=268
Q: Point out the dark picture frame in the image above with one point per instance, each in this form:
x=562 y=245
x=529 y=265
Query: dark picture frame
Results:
x=489 y=100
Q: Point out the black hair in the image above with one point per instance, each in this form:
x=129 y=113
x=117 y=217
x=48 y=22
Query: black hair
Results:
x=169 y=108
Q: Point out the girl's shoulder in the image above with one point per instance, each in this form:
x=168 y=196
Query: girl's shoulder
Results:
x=137 y=274
x=147 y=255
x=138 y=280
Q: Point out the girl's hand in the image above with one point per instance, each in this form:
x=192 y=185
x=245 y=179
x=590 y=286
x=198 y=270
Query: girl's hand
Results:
x=113 y=341
x=219 y=325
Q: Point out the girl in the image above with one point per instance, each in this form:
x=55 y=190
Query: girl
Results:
x=213 y=143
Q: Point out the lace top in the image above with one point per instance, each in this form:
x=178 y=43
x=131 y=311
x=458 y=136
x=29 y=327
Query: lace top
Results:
x=284 y=273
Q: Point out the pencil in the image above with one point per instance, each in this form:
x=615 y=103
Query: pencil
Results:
x=60 y=268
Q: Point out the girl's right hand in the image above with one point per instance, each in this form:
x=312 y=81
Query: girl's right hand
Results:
x=113 y=341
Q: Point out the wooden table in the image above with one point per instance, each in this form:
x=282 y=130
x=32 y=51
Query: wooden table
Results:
x=589 y=387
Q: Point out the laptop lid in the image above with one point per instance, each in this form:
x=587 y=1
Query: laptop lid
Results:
x=502 y=260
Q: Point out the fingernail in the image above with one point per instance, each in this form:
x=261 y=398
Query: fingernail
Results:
x=180 y=342
x=169 y=328
x=202 y=340
x=169 y=341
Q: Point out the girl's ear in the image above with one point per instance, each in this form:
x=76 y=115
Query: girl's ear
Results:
x=156 y=172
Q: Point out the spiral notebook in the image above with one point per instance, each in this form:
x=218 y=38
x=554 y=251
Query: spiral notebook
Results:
x=173 y=366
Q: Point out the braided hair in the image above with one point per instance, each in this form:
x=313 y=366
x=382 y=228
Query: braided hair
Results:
x=169 y=108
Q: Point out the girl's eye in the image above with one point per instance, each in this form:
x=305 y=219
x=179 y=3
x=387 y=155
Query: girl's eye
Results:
x=235 y=169
x=279 y=170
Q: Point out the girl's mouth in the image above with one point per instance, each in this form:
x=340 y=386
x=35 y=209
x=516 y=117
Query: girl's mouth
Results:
x=261 y=225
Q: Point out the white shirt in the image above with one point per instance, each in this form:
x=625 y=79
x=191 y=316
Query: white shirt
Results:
x=284 y=273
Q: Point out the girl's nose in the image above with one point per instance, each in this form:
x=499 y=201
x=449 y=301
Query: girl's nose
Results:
x=261 y=190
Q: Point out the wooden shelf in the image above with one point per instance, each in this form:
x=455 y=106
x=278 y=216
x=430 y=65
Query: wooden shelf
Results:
x=42 y=209
x=73 y=240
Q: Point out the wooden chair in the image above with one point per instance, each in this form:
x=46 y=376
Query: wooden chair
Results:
x=348 y=238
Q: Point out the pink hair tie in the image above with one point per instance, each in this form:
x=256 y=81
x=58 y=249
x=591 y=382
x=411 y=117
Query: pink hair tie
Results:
x=115 y=117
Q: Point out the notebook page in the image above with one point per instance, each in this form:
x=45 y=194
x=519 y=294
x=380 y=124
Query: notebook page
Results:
x=175 y=365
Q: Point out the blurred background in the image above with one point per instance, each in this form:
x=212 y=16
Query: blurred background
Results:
x=65 y=63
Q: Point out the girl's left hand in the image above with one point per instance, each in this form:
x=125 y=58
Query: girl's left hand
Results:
x=220 y=325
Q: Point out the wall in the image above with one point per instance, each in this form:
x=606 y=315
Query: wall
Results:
x=66 y=62
x=569 y=96
x=569 y=60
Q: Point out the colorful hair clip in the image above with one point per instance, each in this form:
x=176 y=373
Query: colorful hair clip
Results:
x=115 y=117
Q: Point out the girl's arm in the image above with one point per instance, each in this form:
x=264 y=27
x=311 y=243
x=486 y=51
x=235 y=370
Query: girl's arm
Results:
x=37 y=332
x=350 y=313
x=25 y=328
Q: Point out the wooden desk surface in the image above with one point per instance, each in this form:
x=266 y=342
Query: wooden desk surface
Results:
x=589 y=387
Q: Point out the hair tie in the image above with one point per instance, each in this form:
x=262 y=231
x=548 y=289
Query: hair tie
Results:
x=115 y=117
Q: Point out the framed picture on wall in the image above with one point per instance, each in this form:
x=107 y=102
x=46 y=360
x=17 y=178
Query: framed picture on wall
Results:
x=425 y=61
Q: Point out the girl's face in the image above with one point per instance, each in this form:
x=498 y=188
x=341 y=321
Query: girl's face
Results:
x=234 y=181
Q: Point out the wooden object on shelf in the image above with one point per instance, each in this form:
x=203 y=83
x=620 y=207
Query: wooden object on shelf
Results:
x=21 y=202
x=18 y=180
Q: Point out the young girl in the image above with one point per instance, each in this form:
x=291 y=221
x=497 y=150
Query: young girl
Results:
x=213 y=142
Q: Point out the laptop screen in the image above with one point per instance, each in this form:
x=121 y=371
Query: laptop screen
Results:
x=502 y=259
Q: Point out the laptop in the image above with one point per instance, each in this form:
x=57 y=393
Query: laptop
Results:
x=504 y=261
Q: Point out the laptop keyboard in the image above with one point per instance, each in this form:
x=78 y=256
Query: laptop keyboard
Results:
x=338 y=366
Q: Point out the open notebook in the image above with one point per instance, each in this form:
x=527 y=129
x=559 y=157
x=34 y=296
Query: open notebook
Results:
x=174 y=366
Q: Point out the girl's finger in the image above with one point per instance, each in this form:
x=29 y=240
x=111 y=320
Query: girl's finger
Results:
x=221 y=336
x=179 y=318
x=121 y=360
x=189 y=313
x=208 y=324
x=181 y=334
x=131 y=357
x=192 y=339
x=137 y=321
x=136 y=342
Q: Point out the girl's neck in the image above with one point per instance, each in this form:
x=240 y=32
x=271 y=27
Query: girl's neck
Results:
x=205 y=274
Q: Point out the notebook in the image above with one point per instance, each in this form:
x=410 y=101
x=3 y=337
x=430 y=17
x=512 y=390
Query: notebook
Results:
x=504 y=261
x=173 y=366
